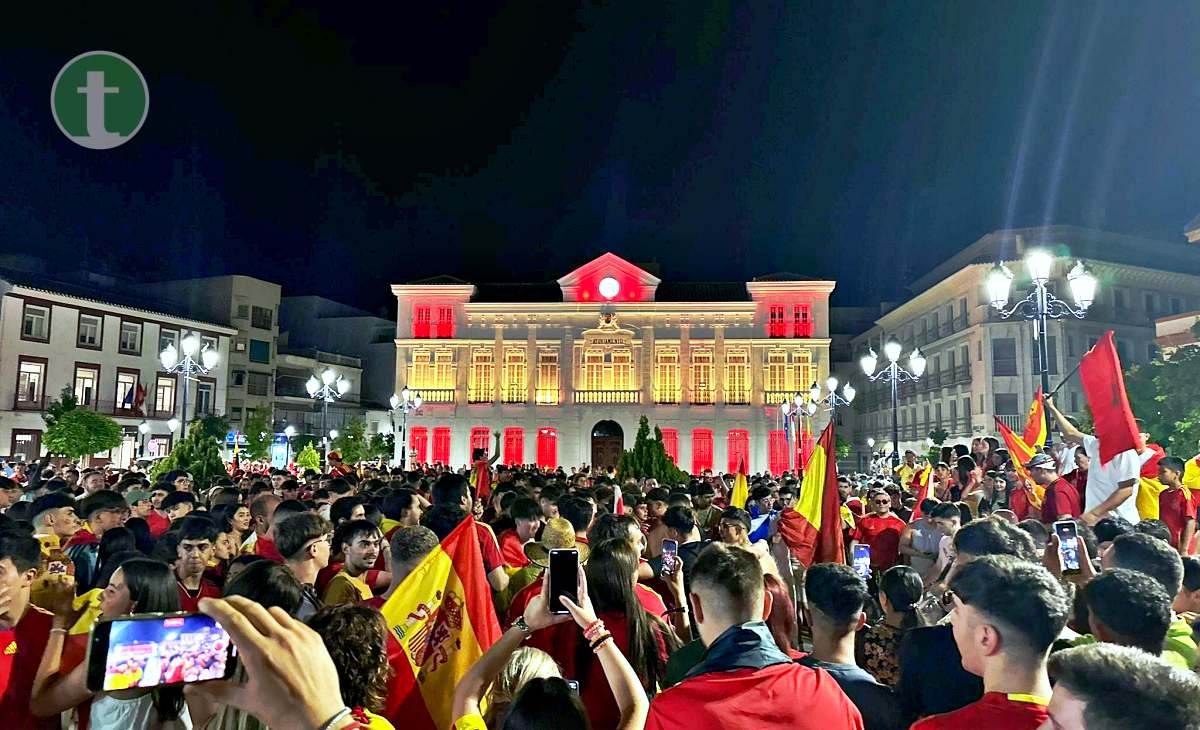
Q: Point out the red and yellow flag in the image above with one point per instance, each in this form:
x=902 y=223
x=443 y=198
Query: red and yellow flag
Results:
x=741 y=488
x=440 y=621
x=1035 y=422
x=1020 y=452
x=920 y=483
x=813 y=529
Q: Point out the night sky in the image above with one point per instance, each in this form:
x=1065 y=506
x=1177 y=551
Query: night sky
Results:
x=338 y=151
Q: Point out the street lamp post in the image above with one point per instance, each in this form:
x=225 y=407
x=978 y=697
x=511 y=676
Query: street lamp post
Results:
x=408 y=401
x=143 y=429
x=329 y=388
x=187 y=366
x=1041 y=304
x=895 y=375
x=288 y=433
x=800 y=408
x=833 y=400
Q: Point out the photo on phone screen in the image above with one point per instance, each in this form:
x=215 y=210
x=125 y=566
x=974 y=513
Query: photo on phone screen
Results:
x=157 y=649
x=862 y=560
x=564 y=578
x=670 y=555
x=1068 y=546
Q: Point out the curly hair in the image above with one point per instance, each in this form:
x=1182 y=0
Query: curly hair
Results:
x=356 y=638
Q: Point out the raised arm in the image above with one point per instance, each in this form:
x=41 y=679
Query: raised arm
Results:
x=1070 y=434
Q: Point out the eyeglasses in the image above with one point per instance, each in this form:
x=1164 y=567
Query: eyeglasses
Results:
x=882 y=501
x=328 y=538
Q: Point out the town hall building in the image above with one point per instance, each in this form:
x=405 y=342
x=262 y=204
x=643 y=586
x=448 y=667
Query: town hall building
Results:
x=565 y=370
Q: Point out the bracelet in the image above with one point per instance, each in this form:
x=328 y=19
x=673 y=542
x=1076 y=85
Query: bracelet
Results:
x=677 y=609
x=522 y=626
x=328 y=724
x=596 y=629
x=603 y=638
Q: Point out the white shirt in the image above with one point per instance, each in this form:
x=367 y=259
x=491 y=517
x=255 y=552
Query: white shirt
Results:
x=1103 y=479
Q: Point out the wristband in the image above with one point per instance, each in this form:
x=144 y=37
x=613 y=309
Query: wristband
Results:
x=599 y=641
x=596 y=629
x=524 y=627
x=328 y=724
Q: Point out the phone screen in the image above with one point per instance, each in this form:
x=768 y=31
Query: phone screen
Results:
x=564 y=578
x=670 y=553
x=158 y=649
x=574 y=685
x=862 y=560
x=1068 y=545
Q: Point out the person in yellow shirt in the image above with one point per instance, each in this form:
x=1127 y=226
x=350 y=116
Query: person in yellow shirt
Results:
x=906 y=469
x=360 y=542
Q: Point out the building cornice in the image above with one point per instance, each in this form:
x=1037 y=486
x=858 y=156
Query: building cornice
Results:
x=792 y=343
x=759 y=289
x=23 y=290
x=451 y=291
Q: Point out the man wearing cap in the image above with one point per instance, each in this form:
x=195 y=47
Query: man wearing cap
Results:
x=1061 y=501
x=54 y=515
x=734 y=529
x=102 y=511
x=557 y=534
x=139 y=504
x=336 y=467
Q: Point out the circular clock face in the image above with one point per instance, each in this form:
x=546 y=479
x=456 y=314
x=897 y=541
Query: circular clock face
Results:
x=609 y=287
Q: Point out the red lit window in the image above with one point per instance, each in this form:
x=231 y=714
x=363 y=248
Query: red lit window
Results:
x=547 y=448
x=807 y=444
x=777 y=451
x=418 y=444
x=421 y=320
x=514 y=446
x=776 y=321
x=802 y=325
x=739 y=450
x=481 y=438
x=670 y=442
x=701 y=450
x=445 y=322
x=441 y=445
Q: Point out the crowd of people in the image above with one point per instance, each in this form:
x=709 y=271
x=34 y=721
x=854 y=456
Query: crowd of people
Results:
x=962 y=614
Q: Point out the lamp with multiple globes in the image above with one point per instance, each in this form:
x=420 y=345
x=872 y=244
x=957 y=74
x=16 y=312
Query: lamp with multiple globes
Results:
x=183 y=362
x=406 y=402
x=329 y=388
x=894 y=374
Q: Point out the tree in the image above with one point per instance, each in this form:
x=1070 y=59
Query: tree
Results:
x=308 y=458
x=56 y=408
x=1165 y=396
x=215 y=426
x=842 y=448
x=79 y=432
x=381 y=446
x=199 y=454
x=939 y=436
x=351 y=442
x=648 y=458
x=259 y=436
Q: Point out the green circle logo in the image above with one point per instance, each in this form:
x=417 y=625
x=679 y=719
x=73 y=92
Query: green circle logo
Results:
x=99 y=100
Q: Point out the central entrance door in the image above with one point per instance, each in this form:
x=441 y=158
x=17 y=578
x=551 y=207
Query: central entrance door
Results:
x=608 y=441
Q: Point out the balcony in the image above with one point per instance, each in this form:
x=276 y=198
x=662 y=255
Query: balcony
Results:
x=775 y=397
x=962 y=374
x=30 y=404
x=518 y=394
x=608 y=397
x=479 y=395
x=702 y=397
x=547 y=396
x=737 y=397
x=436 y=395
x=1016 y=423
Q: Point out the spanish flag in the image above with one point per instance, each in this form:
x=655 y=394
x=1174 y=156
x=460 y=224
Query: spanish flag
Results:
x=812 y=530
x=1035 y=422
x=440 y=621
x=920 y=482
x=741 y=488
x=1020 y=452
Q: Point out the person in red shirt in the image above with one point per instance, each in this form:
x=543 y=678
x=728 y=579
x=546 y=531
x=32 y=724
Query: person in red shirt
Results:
x=528 y=518
x=1007 y=614
x=24 y=631
x=451 y=491
x=744 y=680
x=196 y=537
x=1061 y=501
x=881 y=530
x=481 y=469
x=1174 y=507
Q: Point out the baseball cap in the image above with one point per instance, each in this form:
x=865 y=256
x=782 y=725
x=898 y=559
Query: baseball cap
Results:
x=1041 y=461
x=133 y=496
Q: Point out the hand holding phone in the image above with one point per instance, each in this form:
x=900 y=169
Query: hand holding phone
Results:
x=157 y=649
x=862 y=560
x=563 y=579
x=1068 y=547
x=670 y=556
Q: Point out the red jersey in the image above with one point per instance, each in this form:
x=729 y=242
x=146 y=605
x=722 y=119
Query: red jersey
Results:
x=483 y=478
x=521 y=601
x=781 y=695
x=883 y=535
x=1060 y=499
x=488 y=548
x=1175 y=510
x=158 y=523
x=264 y=547
x=512 y=549
x=1019 y=503
x=190 y=600
x=21 y=649
x=993 y=711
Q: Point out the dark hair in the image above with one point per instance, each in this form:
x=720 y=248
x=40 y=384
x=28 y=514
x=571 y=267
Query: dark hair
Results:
x=610 y=576
x=735 y=575
x=904 y=589
x=992 y=536
x=21 y=548
x=836 y=591
x=198 y=527
x=551 y=493
x=141 y=534
x=1174 y=463
x=1131 y=604
x=346 y=533
x=577 y=511
x=927 y=506
x=356 y=639
x=611 y=527
x=443 y=518
x=116 y=540
x=397 y=503
x=680 y=519
x=341 y=510
x=411 y=543
x=658 y=494
x=105 y=572
x=781 y=621
x=1024 y=598
x=545 y=704
x=289 y=485
x=152 y=589
x=104 y=499
x=1191 y=573
x=944 y=511
x=166 y=548
x=524 y=508
x=1154 y=528
x=1037 y=531
x=267 y=583
x=287 y=508
x=1109 y=528
x=175 y=498
x=1150 y=556
x=293 y=533
x=339 y=485
x=1122 y=687
x=449 y=489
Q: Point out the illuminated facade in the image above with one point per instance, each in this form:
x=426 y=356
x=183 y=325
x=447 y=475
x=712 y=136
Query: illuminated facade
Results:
x=565 y=370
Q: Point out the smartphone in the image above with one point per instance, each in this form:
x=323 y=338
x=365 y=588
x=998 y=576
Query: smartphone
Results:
x=670 y=555
x=574 y=685
x=564 y=578
x=157 y=649
x=1068 y=546
x=862 y=560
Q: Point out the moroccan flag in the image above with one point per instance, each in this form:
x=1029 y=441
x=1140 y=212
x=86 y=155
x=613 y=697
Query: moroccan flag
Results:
x=920 y=483
x=812 y=529
x=741 y=488
x=440 y=621
x=1104 y=386
x=1035 y=422
x=1020 y=452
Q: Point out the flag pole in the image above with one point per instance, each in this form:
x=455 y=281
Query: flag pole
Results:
x=1065 y=379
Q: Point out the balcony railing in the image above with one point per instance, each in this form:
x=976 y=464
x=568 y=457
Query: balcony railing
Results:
x=775 y=397
x=608 y=396
x=514 y=395
x=737 y=398
x=547 y=396
x=1016 y=423
x=702 y=397
x=479 y=395
x=35 y=404
x=436 y=395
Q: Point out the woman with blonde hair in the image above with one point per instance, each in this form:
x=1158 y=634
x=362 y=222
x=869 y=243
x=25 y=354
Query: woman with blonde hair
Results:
x=524 y=665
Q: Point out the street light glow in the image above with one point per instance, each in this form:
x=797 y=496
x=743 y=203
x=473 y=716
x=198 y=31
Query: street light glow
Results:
x=848 y=392
x=892 y=351
x=209 y=358
x=1083 y=286
x=916 y=363
x=290 y=431
x=869 y=362
x=999 y=282
x=1039 y=263
x=394 y=401
x=173 y=424
x=333 y=433
x=190 y=345
x=169 y=357
x=328 y=377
